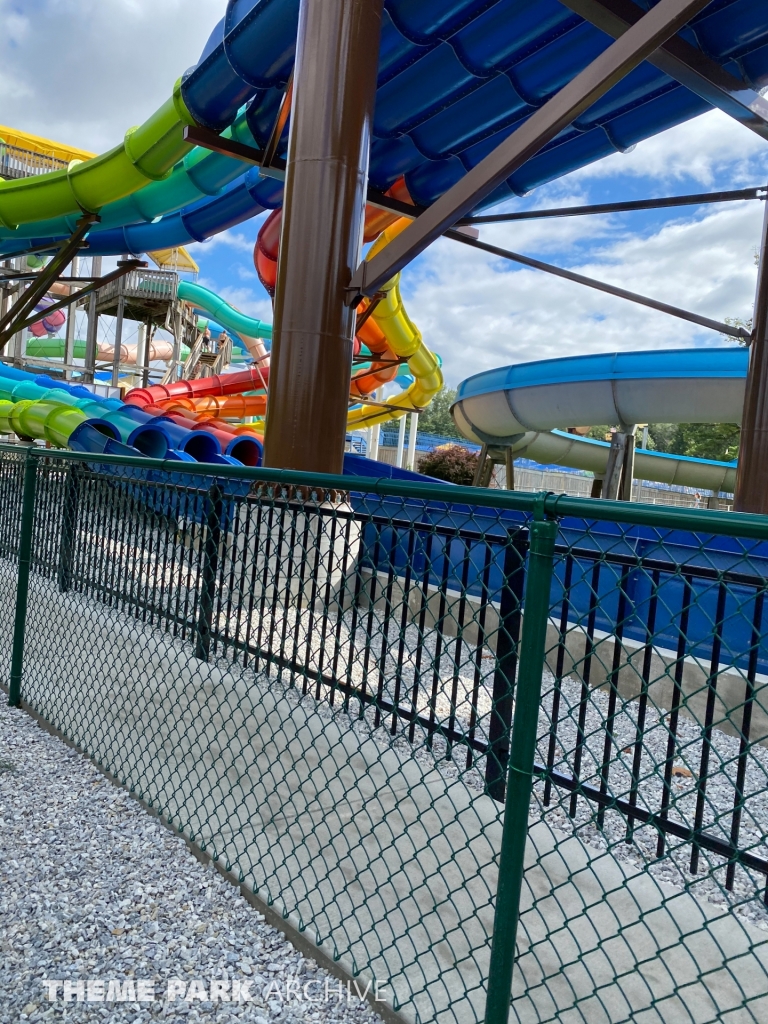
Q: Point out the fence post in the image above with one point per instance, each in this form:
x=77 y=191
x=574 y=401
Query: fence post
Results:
x=68 y=526
x=507 y=642
x=215 y=504
x=520 y=781
x=22 y=585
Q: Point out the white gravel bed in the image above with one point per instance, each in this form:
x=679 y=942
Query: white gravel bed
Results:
x=450 y=683
x=454 y=692
x=709 y=881
x=95 y=889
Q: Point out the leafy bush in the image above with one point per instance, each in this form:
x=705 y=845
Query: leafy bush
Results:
x=451 y=462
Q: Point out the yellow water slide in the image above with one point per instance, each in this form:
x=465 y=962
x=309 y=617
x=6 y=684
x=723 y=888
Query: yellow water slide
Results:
x=405 y=341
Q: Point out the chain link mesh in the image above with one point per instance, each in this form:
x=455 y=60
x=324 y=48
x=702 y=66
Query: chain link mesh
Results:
x=316 y=686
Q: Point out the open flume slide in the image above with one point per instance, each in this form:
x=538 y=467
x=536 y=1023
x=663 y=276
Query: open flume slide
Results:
x=529 y=406
x=252 y=332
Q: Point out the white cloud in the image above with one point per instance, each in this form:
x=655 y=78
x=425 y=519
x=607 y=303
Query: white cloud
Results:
x=701 y=149
x=479 y=312
x=230 y=239
x=85 y=70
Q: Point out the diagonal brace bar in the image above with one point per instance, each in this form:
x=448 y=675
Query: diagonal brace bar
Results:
x=12 y=321
x=602 y=286
x=637 y=43
x=97 y=283
x=630 y=206
x=683 y=62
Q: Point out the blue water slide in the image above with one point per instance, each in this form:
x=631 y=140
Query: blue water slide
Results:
x=529 y=406
x=456 y=77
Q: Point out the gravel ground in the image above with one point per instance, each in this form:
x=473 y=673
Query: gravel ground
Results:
x=94 y=887
x=454 y=687
x=674 y=868
x=460 y=682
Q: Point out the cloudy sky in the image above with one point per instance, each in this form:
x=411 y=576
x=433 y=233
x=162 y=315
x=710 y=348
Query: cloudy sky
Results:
x=82 y=71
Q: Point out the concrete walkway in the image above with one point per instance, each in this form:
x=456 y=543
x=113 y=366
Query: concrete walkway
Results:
x=387 y=862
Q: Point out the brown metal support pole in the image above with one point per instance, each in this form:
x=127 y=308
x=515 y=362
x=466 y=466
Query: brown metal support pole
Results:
x=628 y=470
x=509 y=465
x=752 y=473
x=325 y=190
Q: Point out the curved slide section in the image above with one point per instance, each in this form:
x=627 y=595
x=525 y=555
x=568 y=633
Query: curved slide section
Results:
x=251 y=332
x=404 y=340
x=200 y=174
x=146 y=154
x=523 y=406
x=244 y=54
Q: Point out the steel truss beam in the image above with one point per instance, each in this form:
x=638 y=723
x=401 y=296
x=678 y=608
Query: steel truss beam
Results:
x=697 y=199
x=629 y=50
x=13 y=319
x=602 y=286
x=126 y=267
x=683 y=62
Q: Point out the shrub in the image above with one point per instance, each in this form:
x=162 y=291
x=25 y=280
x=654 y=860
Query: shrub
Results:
x=451 y=462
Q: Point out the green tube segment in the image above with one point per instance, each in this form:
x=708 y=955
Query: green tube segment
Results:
x=53 y=348
x=200 y=173
x=222 y=312
x=147 y=153
x=6 y=408
x=47 y=419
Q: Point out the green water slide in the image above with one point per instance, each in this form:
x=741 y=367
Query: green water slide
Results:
x=53 y=348
x=148 y=153
x=222 y=312
x=200 y=173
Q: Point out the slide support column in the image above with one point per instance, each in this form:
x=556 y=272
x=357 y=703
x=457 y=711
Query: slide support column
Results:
x=325 y=191
x=752 y=473
x=92 y=336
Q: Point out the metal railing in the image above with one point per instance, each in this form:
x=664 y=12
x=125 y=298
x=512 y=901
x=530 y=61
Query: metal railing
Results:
x=23 y=163
x=413 y=715
x=154 y=285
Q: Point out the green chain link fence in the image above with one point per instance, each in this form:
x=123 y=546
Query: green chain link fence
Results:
x=506 y=754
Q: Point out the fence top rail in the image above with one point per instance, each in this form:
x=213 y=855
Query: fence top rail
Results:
x=545 y=504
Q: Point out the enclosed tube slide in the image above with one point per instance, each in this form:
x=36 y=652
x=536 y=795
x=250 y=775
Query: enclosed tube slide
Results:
x=53 y=348
x=521 y=406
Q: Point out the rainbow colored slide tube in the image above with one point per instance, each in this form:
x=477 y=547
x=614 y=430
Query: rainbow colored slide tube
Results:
x=36 y=407
x=210 y=95
x=201 y=174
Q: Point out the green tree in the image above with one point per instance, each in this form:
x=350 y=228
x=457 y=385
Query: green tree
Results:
x=719 y=441
x=436 y=418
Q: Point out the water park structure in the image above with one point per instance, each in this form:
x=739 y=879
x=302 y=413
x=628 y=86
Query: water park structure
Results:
x=502 y=753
